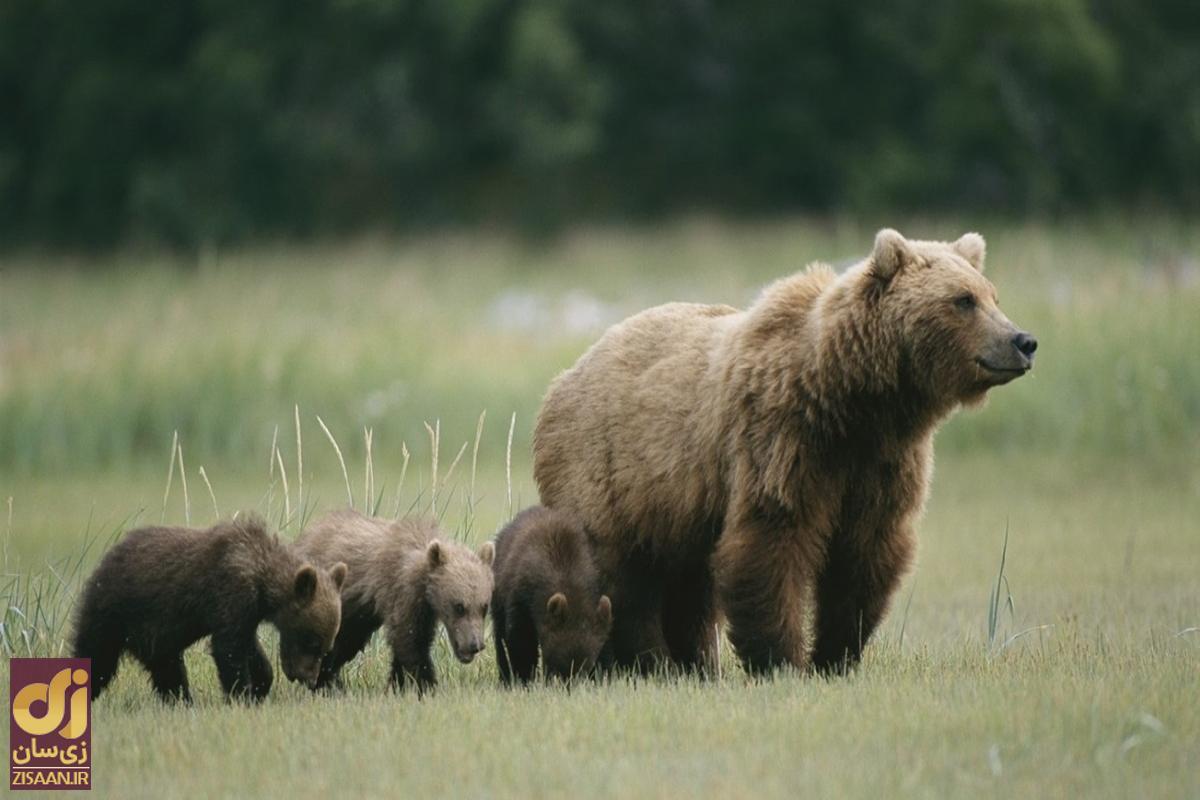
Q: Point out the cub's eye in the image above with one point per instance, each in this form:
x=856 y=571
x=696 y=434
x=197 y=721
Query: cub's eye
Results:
x=965 y=303
x=460 y=610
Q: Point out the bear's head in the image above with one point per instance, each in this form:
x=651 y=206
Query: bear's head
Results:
x=573 y=631
x=458 y=589
x=951 y=337
x=309 y=620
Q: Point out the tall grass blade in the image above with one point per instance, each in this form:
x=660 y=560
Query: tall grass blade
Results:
x=187 y=503
x=342 y=461
x=170 y=476
x=299 y=460
x=400 y=483
x=211 y=494
x=368 y=471
x=287 y=501
x=512 y=425
x=994 y=599
x=435 y=436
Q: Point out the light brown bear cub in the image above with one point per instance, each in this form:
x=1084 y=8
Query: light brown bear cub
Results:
x=770 y=463
x=547 y=597
x=405 y=578
x=159 y=590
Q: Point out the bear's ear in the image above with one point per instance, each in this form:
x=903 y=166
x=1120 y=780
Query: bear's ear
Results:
x=556 y=606
x=435 y=555
x=487 y=553
x=972 y=247
x=890 y=254
x=338 y=574
x=604 y=610
x=304 y=585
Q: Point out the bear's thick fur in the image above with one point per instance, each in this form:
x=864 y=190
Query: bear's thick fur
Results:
x=772 y=460
x=407 y=579
x=159 y=590
x=547 y=598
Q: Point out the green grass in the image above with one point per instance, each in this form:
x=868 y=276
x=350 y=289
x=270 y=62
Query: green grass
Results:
x=1071 y=674
x=100 y=363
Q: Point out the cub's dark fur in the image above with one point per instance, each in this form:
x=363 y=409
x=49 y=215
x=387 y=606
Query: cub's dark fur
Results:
x=159 y=590
x=547 y=597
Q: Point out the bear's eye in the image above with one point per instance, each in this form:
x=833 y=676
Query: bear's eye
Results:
x=483 y=609
x=460 y=610
x=965 y=302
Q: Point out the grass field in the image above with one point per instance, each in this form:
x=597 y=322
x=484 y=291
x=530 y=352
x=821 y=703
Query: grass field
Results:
x=1074 y=673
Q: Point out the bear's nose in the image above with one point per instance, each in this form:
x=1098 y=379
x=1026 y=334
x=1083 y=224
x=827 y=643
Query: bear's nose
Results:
x=1025 y=343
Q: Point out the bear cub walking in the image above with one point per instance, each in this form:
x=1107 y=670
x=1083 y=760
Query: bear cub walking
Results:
x=405 y=578
x=159 y=590
x=547 y=597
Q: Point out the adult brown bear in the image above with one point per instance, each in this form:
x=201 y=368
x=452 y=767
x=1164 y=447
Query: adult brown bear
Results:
x=771 y=462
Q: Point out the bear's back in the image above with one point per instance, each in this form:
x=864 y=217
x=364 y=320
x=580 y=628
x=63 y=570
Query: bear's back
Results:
x=545 y=549
x=376 y=551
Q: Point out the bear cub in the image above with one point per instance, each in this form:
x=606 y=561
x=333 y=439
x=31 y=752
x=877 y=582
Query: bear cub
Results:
x=159 y=590
x=405 y=578
x=547 y=597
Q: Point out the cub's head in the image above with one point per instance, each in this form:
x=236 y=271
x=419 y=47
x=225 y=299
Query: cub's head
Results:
x=309 y=621
x=573 y=631
x=954 y=339
x=459 y=589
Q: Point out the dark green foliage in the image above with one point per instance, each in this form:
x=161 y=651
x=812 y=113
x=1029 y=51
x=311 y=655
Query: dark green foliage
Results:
x=205 y=121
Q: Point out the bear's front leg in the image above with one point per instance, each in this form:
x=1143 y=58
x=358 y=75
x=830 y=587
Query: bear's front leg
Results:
x=689 y=618
x=636 y=641
x=411 y=640
x=860 y=575
x=232 y=651
x=169 y=677
x=262 y=676
x=516 y=644
x=417 y=670
x=764 y=572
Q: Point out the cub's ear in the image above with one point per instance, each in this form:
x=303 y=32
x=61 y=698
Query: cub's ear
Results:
x=487 y=553
x=338 y=574
x=972 y=247
x=604 y=610
x=304 y=585
x=890 y=254
x=556 y=606
x=435 y=555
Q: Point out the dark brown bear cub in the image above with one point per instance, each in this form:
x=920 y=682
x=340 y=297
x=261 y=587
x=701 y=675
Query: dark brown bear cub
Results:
x=161 y=589
x=406 y=579
x=547 y=597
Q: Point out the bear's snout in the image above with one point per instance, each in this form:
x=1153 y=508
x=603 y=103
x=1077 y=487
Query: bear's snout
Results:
x=1026 y=344
x=471 y=648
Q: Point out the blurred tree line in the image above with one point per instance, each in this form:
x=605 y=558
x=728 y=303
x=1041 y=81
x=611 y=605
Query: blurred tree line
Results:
x=194 y=121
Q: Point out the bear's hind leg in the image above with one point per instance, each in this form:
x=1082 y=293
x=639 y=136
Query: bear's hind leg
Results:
x=103 y=646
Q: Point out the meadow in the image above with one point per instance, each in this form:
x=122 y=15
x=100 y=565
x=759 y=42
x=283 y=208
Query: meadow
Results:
x=1047 y=644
